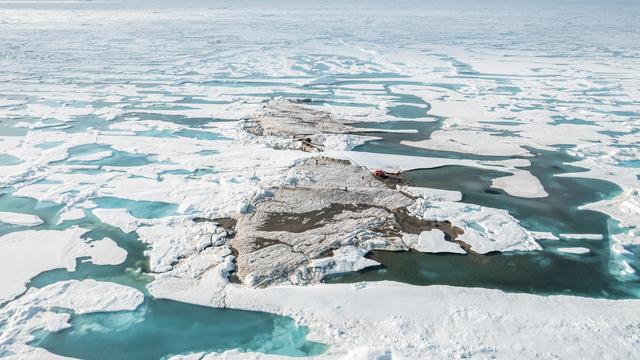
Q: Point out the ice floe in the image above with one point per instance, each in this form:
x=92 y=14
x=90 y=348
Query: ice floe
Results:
x=574 y=250
x=432 y=241
x=581 y=236
x=120 y=218
x=485 y=229
x=25 y=254
x=20 y=219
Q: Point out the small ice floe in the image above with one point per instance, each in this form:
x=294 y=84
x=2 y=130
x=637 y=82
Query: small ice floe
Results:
x=20 y=219
x=71 y=215
x=574 y=250
x=581 y=236
x=120 y=218
x=106 y=252
x=432 y=241
x=521 y=184
x=92 y=157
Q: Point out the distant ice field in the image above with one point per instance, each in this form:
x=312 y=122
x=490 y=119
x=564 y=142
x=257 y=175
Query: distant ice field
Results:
x=120 y=121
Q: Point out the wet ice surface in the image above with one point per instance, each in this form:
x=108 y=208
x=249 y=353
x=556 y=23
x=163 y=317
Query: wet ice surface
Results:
x=113 y=106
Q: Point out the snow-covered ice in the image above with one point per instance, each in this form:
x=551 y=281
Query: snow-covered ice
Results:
x=485 y=229
x=574 y=250
x=20 y=219
x=25 y=254
x=432 y=241
x=581 y=236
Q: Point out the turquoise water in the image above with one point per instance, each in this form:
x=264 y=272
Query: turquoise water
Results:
x=118 y=158
x=47 y=211
x=176 y=119
x=160 y=328
x=407 y=112
x=187 y=133
x=49 y=145
x=630 y=163
x=6 y=159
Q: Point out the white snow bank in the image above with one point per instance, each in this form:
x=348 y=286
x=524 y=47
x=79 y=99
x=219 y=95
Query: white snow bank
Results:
x=26 y=254
x=432 y=241
x=417 y=322
x=20 y=219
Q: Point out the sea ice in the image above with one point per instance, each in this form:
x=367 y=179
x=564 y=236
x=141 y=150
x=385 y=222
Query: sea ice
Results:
x=92 y=157
x=20 y=219
x=432 y=241
x=392 y=317
x=25 y=254
x=581 y=236
x=544 y=235
x=175 y=238
x=574 y=250
x=34 y=311
x=485 y=229
x=120 y=218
